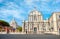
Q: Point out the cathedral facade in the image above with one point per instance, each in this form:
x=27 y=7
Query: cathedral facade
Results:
x=13 y=24
x=36 y=25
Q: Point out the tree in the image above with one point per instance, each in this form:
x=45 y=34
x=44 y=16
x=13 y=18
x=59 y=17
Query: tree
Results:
x=0 y=28
x=4 y=23
x=19 y=28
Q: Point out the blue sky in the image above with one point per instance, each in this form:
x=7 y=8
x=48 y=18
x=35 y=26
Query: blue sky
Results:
x=19 y=9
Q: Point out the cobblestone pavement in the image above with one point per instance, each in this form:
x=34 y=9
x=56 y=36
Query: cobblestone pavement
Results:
x=28 y=36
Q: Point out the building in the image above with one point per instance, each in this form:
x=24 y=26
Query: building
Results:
x=13 y=23
x=12 y=28
x=36 y=25
x=54 y=21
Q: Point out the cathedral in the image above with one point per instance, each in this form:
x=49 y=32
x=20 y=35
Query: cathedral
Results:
x=13 y=24
x=37 y=25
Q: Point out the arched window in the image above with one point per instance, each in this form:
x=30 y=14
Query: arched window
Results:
x=35 y=18
x=59 y=23
x=59 y=16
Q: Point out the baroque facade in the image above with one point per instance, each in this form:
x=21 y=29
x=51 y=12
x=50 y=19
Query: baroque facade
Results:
x=36 y=25
x=13 y=23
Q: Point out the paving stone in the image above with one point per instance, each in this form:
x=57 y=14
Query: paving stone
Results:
x=28 y=36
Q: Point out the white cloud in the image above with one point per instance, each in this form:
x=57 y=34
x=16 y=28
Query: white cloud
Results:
x=12 y=5
x=28 y=2
x=56 y=2
x=57 y=10
x=32 y=2
x=45 y=0
x=14 y=13
x=43 y=5
x=1 y=1
x=12 y=9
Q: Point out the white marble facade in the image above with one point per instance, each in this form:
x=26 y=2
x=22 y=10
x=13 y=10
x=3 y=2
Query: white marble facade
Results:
x=36 y=24
x=13 y=24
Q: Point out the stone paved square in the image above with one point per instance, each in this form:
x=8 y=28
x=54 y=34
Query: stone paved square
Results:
x=28 y=36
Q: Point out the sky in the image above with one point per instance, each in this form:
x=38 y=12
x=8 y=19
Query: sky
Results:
x=19 y=9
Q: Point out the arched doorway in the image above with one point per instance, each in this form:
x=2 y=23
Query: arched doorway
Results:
x=35 y=30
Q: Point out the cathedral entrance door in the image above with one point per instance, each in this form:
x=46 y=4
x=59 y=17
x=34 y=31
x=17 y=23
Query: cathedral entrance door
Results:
x=35 y=30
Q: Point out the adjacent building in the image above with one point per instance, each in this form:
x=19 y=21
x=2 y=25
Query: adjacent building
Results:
x=13 y=24
x=54 y=21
